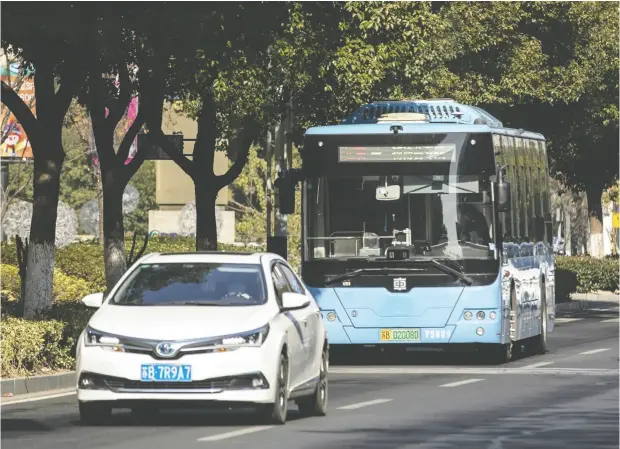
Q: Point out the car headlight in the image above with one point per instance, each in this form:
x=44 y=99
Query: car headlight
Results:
x=252 y=338
x=94 y=337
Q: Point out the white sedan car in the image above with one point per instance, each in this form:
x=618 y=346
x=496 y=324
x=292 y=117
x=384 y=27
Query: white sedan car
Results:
x=204 y=329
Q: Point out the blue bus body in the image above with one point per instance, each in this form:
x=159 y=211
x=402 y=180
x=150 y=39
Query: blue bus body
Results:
x=509 y=296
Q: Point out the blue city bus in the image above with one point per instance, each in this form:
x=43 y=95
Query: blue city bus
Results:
x=427 y=224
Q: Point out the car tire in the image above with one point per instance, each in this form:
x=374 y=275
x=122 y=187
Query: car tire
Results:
x=93 y=413
x=316 y=404
x=276 y=412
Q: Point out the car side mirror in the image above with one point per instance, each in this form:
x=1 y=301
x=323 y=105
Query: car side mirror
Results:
x=93 y=300
x=503 y=196
x=294 y=301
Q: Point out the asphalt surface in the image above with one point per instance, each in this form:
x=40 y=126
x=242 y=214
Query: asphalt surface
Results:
x=567 y=398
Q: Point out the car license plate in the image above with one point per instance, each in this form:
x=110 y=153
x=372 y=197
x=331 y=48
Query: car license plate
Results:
x=166 y=373
x=400 y=334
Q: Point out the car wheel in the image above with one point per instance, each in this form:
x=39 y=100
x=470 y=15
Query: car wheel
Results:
x=93 y=413
x=316 y=404
x=276 y=413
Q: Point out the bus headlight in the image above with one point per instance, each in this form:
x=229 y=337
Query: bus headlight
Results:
x=480 y=331
x=480 y=315
x=467 y=315
x=492 y=315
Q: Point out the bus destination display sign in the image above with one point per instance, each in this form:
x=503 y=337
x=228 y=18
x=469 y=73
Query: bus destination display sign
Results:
x=410 y=153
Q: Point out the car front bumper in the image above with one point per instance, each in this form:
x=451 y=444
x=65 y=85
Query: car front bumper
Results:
x=217 y=377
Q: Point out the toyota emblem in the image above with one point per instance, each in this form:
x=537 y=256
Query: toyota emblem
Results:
x=164 y=349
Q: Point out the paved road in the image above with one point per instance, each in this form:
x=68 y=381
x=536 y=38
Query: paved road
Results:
x=565 y=399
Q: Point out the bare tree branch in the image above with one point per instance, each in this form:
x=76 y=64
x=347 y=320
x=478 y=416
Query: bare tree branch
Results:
x=243 y=144
x=123 y=150
x=20 y=110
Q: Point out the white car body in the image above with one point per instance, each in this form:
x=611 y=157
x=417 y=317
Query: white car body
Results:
x=116 y=369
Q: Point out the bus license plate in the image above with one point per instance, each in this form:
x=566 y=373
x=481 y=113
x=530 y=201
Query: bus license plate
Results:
x=166 y=373
x=400 y=334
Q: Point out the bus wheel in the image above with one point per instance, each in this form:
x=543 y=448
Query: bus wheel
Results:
x=540 y=345
x=504 y=353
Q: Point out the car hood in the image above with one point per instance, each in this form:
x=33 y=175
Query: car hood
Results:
x=178 y=322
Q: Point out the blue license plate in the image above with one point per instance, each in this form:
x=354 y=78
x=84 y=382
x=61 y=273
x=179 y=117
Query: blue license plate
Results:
x=166 y=373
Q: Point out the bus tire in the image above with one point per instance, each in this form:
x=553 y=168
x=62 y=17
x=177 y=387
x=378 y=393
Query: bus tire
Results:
x=540 y=345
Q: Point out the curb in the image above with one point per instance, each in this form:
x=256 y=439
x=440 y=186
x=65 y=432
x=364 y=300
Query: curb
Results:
x=571 y=306
x=37 y=384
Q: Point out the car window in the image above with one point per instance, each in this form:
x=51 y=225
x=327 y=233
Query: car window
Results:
x=206 y=284
x=279 y=282
x=296 y=287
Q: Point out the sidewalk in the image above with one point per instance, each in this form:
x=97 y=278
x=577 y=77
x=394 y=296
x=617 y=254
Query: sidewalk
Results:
x=584 y=301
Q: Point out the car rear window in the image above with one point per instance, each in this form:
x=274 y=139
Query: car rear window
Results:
x=208 y=284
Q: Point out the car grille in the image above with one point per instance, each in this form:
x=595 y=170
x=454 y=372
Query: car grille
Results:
x=215 y=385
x=124 y=384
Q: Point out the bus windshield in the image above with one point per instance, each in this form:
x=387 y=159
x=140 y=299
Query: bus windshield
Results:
x=438 y=212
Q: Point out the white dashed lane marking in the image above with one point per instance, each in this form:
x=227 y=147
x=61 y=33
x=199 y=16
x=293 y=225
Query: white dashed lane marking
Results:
x=234 y=433
x=364 y=404
x=594 y=351
x=537 y=365
x=567 y=320
x=462 y=382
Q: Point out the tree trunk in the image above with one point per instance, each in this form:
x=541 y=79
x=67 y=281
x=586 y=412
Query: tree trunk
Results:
x=113 y=229
x=206 y=224
x=40 y=261
x=595 y=212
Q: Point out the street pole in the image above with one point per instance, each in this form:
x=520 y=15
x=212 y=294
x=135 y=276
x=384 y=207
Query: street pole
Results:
x=278 y=243
x=4 y=181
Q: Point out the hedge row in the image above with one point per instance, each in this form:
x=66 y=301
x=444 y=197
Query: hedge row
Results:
x=31 y=346
x=588 y=274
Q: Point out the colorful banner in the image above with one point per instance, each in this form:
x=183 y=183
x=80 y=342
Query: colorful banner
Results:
x=16 y=144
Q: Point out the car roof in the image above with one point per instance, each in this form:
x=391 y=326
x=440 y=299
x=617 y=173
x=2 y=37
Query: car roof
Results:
x=209 y=257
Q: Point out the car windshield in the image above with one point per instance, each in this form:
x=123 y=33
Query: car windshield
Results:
x=208 y=284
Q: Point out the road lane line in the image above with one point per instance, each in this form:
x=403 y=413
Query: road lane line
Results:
x=567 y=320
x=464 y=371
x=234 y=433
x=536 y=365
x=611 y=320
x=7 y=401
x=462 y=382
x=364 y=404
x=594 y=351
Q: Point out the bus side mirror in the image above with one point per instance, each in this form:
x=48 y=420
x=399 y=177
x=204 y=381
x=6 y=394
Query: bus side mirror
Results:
x=503 y=196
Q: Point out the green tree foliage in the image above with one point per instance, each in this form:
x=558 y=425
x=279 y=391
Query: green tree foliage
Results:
x=250 y=204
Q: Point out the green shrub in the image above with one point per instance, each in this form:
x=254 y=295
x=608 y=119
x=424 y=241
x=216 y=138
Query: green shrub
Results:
x=10 y=282
x=591 y=274
x=66 y=288
x=28 y=347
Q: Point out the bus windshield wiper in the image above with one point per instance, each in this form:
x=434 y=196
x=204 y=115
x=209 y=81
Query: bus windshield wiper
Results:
x=446 y=269
x=352 y=274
